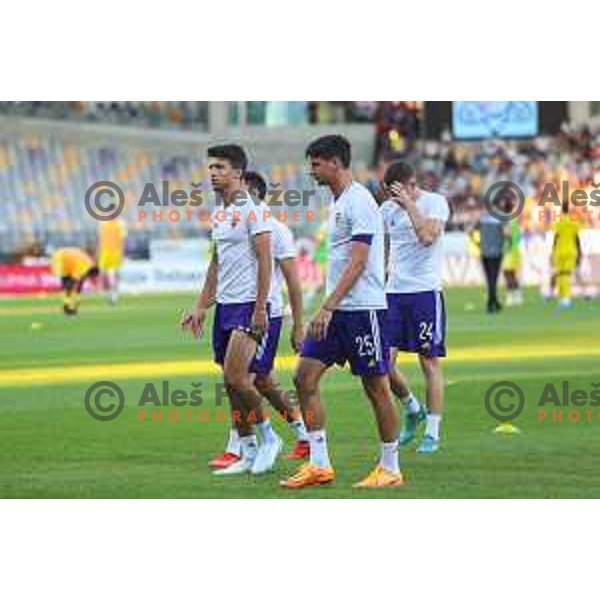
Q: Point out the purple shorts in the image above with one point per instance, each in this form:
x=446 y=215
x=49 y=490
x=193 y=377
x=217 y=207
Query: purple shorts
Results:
x=353 y=336
x=417 y=323
x=228 y=318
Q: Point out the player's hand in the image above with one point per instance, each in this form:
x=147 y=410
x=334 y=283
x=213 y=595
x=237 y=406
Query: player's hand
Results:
x=260 y=322
x=297 y=337
x=318 y=327
x=194 y=321
x=400 y=195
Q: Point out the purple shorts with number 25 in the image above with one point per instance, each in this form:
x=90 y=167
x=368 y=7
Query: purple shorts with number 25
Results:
x=354 y=336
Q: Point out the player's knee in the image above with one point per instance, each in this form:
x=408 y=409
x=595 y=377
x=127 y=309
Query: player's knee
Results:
x=430 y=365
x=377 y=387
x=263 y=383
x=234 y=379
x=393 y=371
x=304 y=379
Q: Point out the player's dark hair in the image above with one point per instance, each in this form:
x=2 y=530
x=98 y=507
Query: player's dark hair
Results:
x=400 y=171
x=232 y=152
x=330 y=147
x=256 y=182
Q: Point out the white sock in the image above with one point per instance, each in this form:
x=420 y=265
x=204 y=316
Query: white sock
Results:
x=267 y=432
x=249 y=447
x=433 y=426
x=233 y=444
x=389 y=457
x=318 y=448
x=412 y=405
x=299 y=430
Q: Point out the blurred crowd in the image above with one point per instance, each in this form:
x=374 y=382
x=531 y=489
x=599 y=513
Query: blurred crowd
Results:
x=168 y=115
x=465 y=171
x=398 y=126
x=399 y=117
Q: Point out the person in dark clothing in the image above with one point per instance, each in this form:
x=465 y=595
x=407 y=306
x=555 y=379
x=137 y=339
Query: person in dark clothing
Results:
x=492 y=232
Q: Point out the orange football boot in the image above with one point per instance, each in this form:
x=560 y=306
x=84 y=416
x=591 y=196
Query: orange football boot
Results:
x=309 y=475
x=379 y=477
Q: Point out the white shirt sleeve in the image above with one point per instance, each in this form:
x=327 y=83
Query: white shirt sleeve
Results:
x=254 y=216
x=365 y=218
x=283 y=243
x=437 y=208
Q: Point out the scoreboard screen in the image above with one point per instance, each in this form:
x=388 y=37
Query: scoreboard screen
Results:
x=481 y=120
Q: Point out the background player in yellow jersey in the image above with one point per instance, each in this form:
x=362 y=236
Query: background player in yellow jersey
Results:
x=511 y=264
x=111 y=250
x=73 y=266
x=566 y=252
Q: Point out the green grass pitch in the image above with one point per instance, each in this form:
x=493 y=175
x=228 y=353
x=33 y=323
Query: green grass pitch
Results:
x=50 y=447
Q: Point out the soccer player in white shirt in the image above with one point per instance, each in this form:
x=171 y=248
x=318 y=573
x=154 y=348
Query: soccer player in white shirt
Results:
x=284 y=255
x=239 y=281
x=416 y=318
x=348 y=325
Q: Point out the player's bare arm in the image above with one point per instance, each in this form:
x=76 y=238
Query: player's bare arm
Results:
x=428 y=230
x=292 y=281
x=358 y=261
x=194 y=319
x=262 y=248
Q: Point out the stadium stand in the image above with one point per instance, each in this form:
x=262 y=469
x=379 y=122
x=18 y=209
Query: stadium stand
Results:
x=44 y=177
x=44 y=181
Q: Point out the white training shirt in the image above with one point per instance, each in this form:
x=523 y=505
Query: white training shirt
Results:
x=356 y=213
x=283 y=249
x=414 y=267
x=233 y=230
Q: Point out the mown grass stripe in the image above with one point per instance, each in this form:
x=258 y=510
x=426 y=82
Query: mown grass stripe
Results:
x=136 y=370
